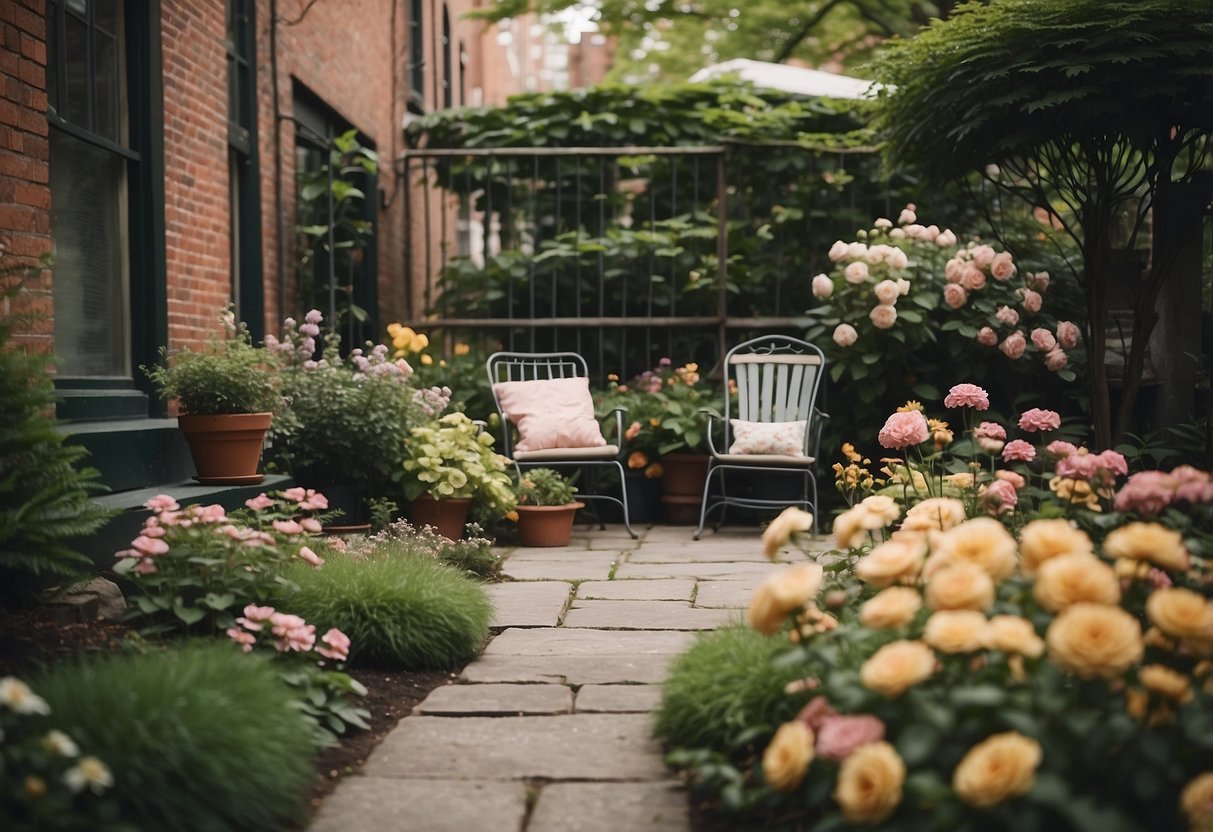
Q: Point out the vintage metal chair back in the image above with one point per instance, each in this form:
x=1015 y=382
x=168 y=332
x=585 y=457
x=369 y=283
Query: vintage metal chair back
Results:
x=777 y=379
x=520 y=366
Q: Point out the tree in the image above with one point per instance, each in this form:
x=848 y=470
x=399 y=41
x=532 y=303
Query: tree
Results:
x=1088 y=109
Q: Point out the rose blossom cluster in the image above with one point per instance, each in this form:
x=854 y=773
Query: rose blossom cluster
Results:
x=1008 y=330
x=290 y=634
x=1149 y=492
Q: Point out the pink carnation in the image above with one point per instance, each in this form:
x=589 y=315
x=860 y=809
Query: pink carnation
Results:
x=152 y=529
x=839 y=736
x=816 y=712
x=990 y=430
x=149 y=546
x=1016 y=479
x=1060 y=448
x=338 y=645
x=1192 y=484
x=902 y=430
x=214 y=513
x=259 y=503
x=987 y=337
x=967 y=395
x=1067 y=334
x=1013 y=345
x=1000 y=497
x=1147 y=492
x=1115 y=462
x=295 y=494
x=1079 y=466
x=1037 y=419
x=162 y=502
x=1018 y=450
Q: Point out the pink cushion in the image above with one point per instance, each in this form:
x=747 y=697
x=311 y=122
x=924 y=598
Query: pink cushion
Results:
x=778 y=438
x=555 y=413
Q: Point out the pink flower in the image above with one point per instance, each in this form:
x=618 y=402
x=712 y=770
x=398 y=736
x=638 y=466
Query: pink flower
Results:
x=1016 y=479
x=295 y=494
x=1083 y=465
x=982 y=256
x=1114 y=461
x=1060 y=448
x=987 y=337
x=907 y=215
x=1043 y=340
x=311 y=525
x=946 y=238
x=146 y=567
x=260 y=502
x=1013 y=345
x=1000 y=497
x=311 y=557
x=1067 y=334
x=151 y=529
x=255 y=617
x=1192 y=484
x=299 y=639
x=288 y=527
x=856 y=272
x=337 y=543
x=954 y=295
x=1039 y=281
x=973 y=279
x=839 y=736
x=1007 y=315
x=338 y=648
x=953 y=269
x=1147 y=492
x=169 y=518
x=883 y=316
x=902 y=430
x=1031 y=301
x=242 y=637
x=838 y=251
x=1056 y=359
x=967 y=395
x=149 y=546
x=886 y=291
x=816 y=712
x=1018 y=450
x=1002 y=267
x=161 y=502
x=898 y=259
x=845 y=335
x=314 y=501
x=1159 y=579
x=990 y=430
x=1037 y=419
x=823 y=287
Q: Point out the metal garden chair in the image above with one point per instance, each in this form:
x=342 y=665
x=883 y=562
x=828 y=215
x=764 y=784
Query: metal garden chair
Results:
x=516 y=366
x=777 y=378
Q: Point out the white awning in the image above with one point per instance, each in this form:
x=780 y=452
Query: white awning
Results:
x=793 y=79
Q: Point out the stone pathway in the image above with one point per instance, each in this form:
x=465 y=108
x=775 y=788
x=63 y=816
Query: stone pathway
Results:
x=550 y=730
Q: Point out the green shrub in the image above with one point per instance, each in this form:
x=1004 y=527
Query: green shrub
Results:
x=723 y=686
x=199 y=738
x=473 y=553
x=399 y=609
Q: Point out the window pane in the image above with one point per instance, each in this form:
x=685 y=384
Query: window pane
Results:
x=76 y=83
x=105 y=14
x=109 y=87
x=88 y=198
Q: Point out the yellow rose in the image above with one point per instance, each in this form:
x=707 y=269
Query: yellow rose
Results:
x=997 y=768
x=881 y=510
x=765 y=614
x=1196 y=801
x=1075 y=492
x=788 y=523
x=960 y=586
x=1181 y=613
x=787 y=758
x=982 y=541
x=869 y=783
x=1042 y=540
x=894 y=560
x=795 y=586
x=962 y=480
x=955 y=631
x=849 y=529
x=1071 y=579
x=935 y=514
x=1165 y=682
x=891 y=608
x=1012 y=634
x=462 y=348
x=1152 y=542
x=897 y=666
x=1095 y=640
x=427 y=359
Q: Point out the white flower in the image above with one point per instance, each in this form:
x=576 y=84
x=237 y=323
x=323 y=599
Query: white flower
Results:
x=856 y=272
x=838 y=251
x=883 y=316
x=823 y=287
x=845 y=335
x=897 y=233
x=887 y=291
x=907 y=216
x=91 y=773
x=903 y=286
x=857 y=251
x=59 y=744
x=18 y=698
x=898 y=258
x=883 y=222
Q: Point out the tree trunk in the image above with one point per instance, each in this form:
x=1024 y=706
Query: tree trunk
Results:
x=1096 y=266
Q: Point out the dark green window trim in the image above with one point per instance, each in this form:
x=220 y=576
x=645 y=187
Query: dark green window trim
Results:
x=242 y=139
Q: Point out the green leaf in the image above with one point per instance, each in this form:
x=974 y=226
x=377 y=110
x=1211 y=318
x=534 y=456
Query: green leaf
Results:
x=188 y=615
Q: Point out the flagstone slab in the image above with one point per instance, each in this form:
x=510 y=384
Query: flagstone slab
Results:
x=594 y=643
x=496 y=700
x=618 y=699
x=572 y=670
x=560 y=553
x=643 y=615
x=579 y=747
x=529 y=603
x=730 y=594
x=747 y=552
x=378 y=804
x=640 y=590
x=574 y=568
x=611 y=807
x=708 y=571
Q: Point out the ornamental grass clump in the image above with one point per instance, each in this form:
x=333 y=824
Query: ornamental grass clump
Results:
x=399 y=609
x=198 y=739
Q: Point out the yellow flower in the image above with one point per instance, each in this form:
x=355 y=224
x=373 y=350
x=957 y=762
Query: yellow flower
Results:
x=790 y=522
x=848 y=450
x=795 y=586
x=653 y=471
x=765 y=614
x=1181 y=613
x=1078 y=492
x=982 y=541
x=912 y=404
x=637 y=460
x=1095 y=640
x=632 y=432
x=955 y=631
x=891 y=608
x=960 y=586
x=1012 y=634
x=1196 y=801
x=1071 y=579
x=655 y=422
x=897 y=666
x=897 y=560
x=1151 y=542
x=997 y=768
x=1041 y=540
x=512 y=516
x=881 y=511
x=869 y=783
x=849 y=529
x=935 y=513
x=787 y=758
x=1165 y=682
x=940 y=434
x=427 y=359
x=461 y=348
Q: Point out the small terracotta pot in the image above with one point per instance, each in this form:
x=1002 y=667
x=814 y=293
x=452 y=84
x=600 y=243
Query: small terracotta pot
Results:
x=446 y=516
x=227 y=447
x=682 y=485
x=547 y=525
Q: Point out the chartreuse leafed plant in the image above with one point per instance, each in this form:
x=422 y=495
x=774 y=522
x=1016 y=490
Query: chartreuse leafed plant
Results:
x=197 y=739
x=453 y=457
x=398 y=608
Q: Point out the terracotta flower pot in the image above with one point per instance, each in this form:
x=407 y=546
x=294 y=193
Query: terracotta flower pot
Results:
x=446 y=516
x=227 y=447
x=547 y=525
x=682 y=483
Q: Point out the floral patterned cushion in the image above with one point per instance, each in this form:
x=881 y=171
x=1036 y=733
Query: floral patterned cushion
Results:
x=550 y=413
x=779 y=438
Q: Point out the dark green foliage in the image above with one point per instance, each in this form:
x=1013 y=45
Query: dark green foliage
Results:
x=398 y=608
x=44 y=495
x=201 y=738
x=723 y=686
x=230 y=376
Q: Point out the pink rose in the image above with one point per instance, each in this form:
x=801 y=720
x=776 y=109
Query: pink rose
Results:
x=1039 y=281
x=1060 y=448
x=856 y=272
x=823 y=287
x=877 y=253
x=883 y=316
x=838 y=251
x=902 y=430
x=973 y=279
x=259 y=503
x=1016 y=479
x=967 y=395
x=1007 y=315
x=954 y=295
x=1043 y=340
x=1013 y=345
x=311 y=557
x=1000 y=497
x=845 y=335
x=983 y=256
x=1017 y=450
x=946 y=238
x=1037 y=419
x=839 y=736
x=1002 y=267
x=886 y=291
x=161 y=502
x=338 y=645
x=816 y=712
x=1056 y=359
x=987 y=337
x=898 y=259
x=1031 y=301
x=953 y=269
x=1067 y=334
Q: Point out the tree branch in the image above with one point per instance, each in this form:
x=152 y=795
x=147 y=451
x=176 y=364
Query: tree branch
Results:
x=803 y=32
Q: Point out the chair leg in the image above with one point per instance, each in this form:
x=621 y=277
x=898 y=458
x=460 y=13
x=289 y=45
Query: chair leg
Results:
x=724 y=501
x=813 y=484
x=623 y=497
x=703 y=506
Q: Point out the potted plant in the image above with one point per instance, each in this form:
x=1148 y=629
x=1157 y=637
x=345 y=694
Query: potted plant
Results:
x=546 y=508
x=450 y=462
x=225 y=399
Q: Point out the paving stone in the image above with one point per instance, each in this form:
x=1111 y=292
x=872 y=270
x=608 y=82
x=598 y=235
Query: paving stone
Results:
x=562 y=642
x=573 y=670
x=584 y=747
x=618 y=699
x=559 y=553
x=490 y=700
x=377 y=804
x=733 y=594
x=708 y=571
x=575 y=568
x=750 y=552
x=610 y=807
x=655 y=590
x=644 y=615
x=529 y=603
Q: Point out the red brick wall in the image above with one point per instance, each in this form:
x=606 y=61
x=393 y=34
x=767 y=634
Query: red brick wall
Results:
x=25 y=195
